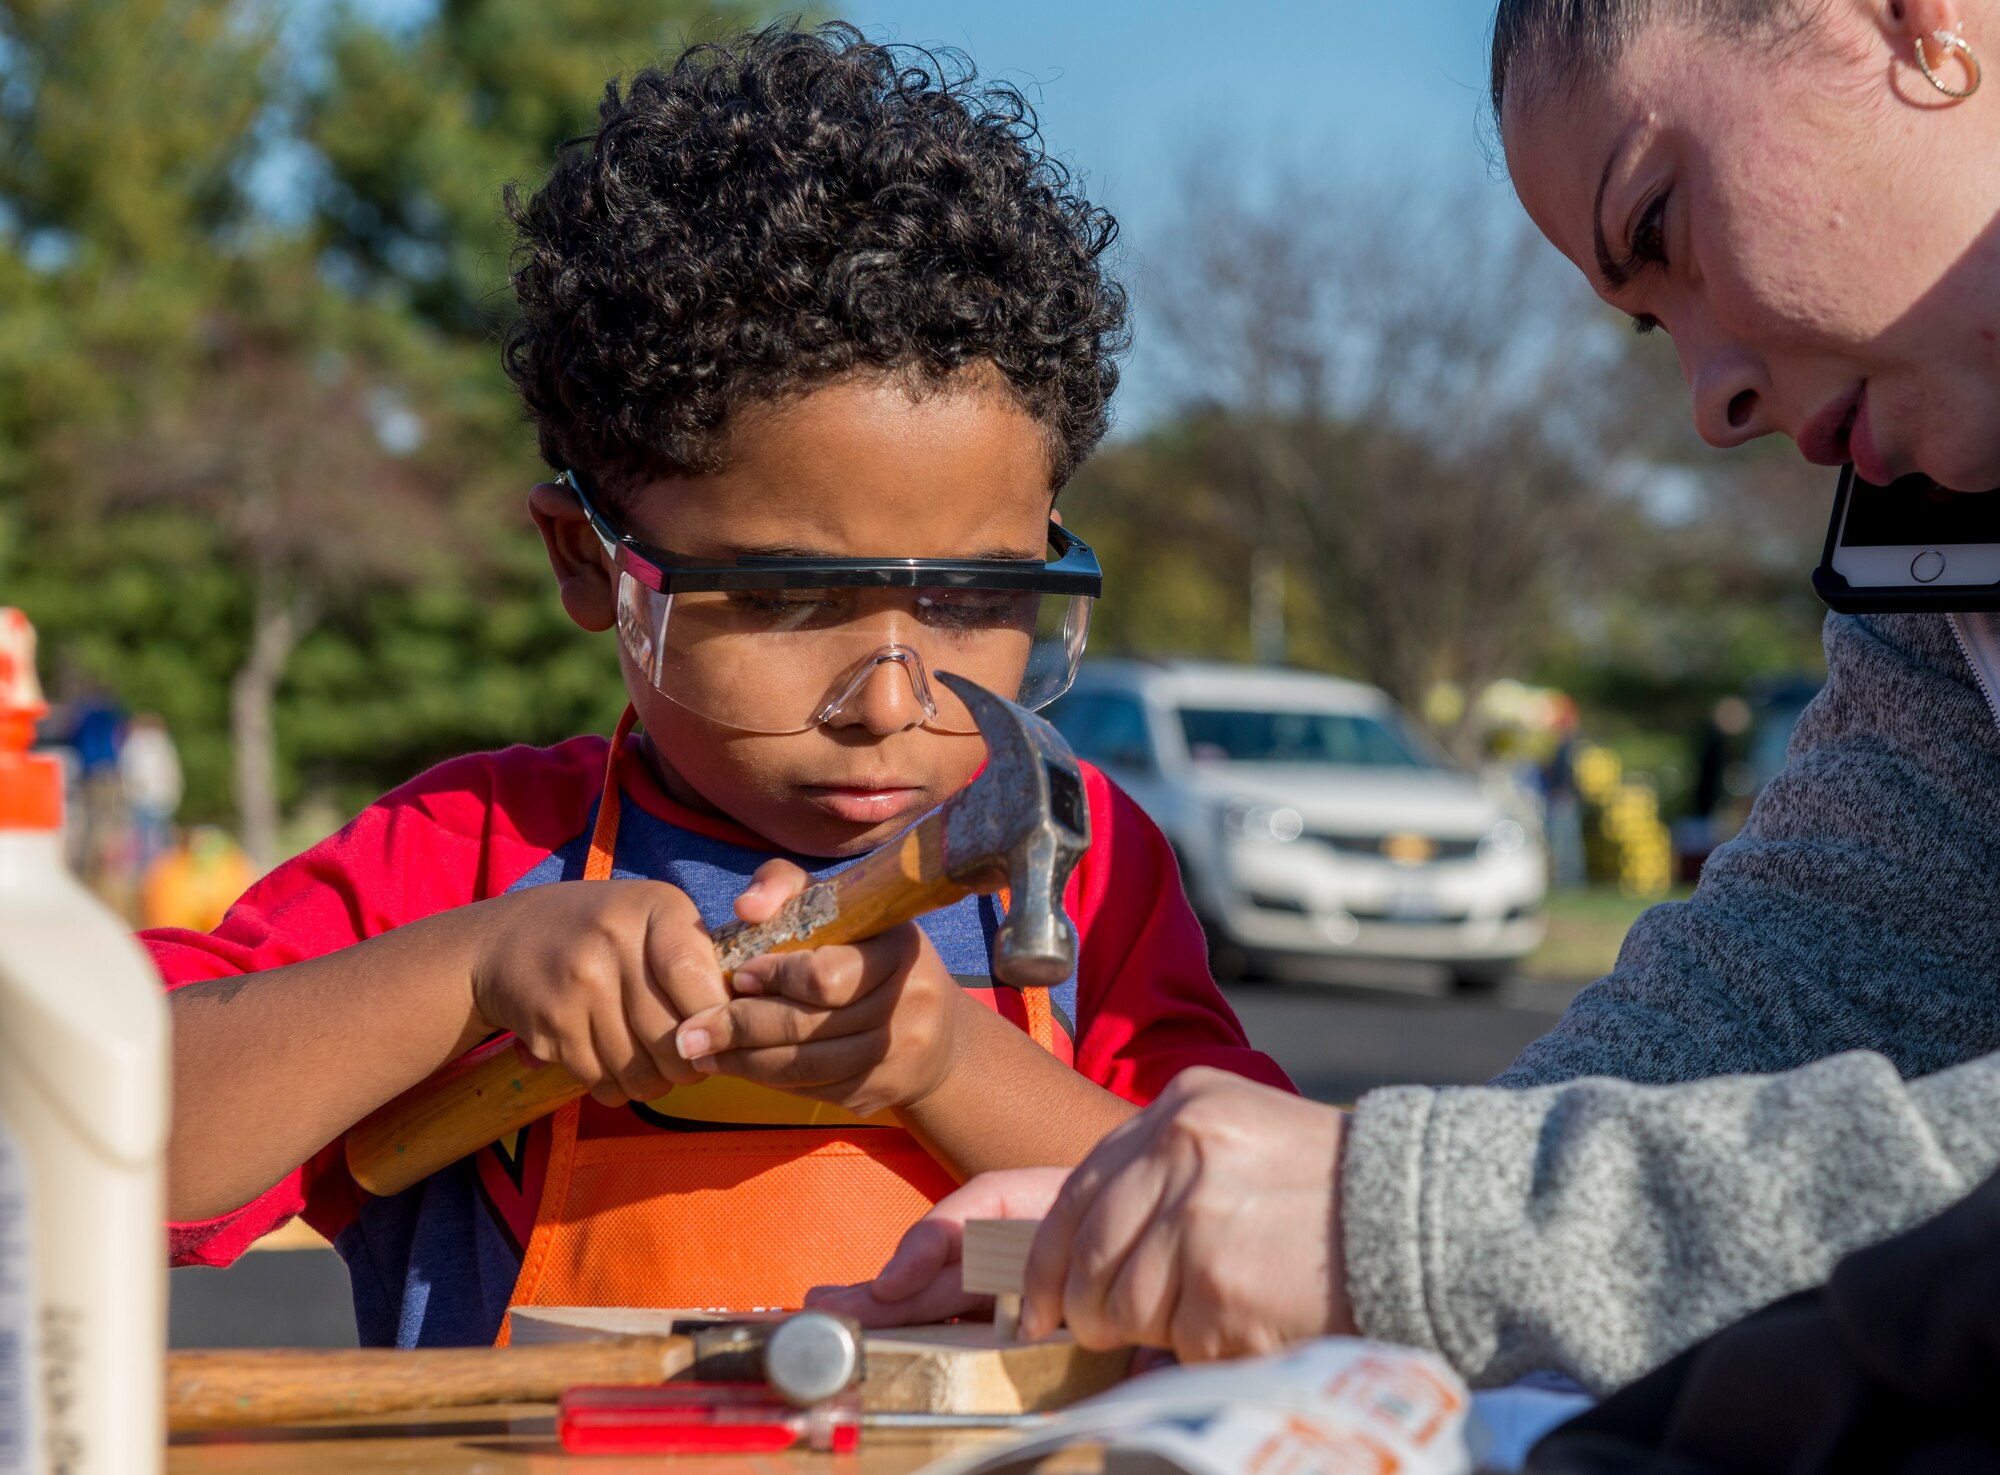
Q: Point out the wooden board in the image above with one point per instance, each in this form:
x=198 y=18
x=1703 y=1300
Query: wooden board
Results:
x=955 y=1368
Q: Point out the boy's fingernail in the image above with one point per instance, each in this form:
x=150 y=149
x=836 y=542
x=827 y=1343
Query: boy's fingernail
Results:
x=708 y=1065
x=745 y=982
x=693 y=1044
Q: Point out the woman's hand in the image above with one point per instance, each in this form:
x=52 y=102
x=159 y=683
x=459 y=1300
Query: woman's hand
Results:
x=921 y=1281
x=1208 y=1224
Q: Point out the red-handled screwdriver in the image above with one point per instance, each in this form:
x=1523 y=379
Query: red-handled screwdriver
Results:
x=735 y=1418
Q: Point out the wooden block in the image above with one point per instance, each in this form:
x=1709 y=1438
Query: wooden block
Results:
x=954 y=1368
x=995 y=1259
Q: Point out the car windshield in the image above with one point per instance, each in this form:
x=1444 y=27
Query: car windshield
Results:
x=1219 y=735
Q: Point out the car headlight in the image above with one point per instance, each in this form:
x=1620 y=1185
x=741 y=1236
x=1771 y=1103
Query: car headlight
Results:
x=1262 y=822
x=1508 y=837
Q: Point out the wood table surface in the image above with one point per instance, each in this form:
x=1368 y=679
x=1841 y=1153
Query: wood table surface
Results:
x=511 y=1440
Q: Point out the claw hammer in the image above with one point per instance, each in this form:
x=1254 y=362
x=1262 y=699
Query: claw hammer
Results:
x=1021 y=827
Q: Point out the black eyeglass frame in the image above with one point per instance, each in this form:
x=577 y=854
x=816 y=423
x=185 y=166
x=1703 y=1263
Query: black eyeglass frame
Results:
x=1074 y=569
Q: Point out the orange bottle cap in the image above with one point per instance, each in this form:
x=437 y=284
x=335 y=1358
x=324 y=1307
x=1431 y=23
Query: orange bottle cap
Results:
x=31 y=784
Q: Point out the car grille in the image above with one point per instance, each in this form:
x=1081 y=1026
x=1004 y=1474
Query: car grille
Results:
x=1373 y=845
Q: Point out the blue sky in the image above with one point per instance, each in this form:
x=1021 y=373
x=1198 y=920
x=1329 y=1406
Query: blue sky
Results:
x=1128 y=91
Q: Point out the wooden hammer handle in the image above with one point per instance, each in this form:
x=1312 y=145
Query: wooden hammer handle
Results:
x=227 y=1390
x=500 y=1088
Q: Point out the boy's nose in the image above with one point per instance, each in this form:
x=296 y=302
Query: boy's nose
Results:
x=884 y=700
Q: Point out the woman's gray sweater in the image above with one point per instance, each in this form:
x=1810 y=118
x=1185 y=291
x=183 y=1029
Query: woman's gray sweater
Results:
x=1591 y=1217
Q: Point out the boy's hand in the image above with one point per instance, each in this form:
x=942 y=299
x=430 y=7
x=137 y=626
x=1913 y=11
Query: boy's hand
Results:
x=921 y=1282
x=867 y=1026
x=596 y=976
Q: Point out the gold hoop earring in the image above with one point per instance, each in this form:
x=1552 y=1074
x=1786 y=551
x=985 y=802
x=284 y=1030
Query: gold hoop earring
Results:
x=1951 y=41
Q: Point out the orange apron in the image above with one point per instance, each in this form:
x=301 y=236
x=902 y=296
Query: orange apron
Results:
x=736 y=1217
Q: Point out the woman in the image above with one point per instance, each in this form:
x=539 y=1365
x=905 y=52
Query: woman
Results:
x=1803 y=194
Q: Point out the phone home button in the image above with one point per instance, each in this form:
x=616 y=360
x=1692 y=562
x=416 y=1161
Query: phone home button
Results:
x=1926 y=566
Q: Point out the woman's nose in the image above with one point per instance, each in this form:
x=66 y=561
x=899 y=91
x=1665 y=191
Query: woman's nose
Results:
x=1731 y=396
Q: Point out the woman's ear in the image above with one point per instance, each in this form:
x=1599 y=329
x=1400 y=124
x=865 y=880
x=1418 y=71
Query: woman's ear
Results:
x=582 y=574
x=1909 y=21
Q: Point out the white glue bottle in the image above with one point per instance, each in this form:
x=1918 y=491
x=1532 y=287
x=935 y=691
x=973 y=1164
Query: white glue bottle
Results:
x=83 y=1124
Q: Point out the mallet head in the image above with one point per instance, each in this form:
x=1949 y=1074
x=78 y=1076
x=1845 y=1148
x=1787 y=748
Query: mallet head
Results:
x=806 y=1357
x=1022 y=824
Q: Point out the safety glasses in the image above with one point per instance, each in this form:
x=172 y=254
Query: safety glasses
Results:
x=781 y=645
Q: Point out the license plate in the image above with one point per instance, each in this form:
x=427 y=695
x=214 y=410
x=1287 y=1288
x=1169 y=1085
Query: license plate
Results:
x=1415 y=906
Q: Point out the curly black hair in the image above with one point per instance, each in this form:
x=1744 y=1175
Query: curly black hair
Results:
x=778 y=209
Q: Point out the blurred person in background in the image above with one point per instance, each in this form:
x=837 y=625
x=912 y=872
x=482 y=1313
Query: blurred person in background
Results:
x=100 y=834
x=149 y=767
x=191 y=884
x=1803 y=194
x=1562 y=806
x=1719 y=798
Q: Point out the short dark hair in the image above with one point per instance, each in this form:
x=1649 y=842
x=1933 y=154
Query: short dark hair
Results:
x=1589 y=36
x=779 y=209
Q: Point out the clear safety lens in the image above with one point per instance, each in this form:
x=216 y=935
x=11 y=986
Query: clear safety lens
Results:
x=785 y=660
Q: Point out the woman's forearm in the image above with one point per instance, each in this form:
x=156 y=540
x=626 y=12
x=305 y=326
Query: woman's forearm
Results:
x=1599 y=1227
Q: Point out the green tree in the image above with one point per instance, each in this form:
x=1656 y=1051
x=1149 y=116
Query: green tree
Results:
x=422 y=131
x=260 y=471
x=125 y=126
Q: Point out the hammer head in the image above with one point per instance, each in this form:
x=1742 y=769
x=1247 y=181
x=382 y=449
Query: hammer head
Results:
x=1022 y=824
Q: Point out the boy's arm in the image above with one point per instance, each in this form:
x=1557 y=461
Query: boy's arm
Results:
x=1010 y=1103
x=274 y=1020
x=361 y=966
x=269 y=1067
x=1148 y=1008
x=881 y=1024
x=593 y=975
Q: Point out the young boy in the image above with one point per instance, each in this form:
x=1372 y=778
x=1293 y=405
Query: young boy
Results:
x=812 y=338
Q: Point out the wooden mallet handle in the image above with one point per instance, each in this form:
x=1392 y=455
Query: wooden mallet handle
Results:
x=226 y=1390
x=500 y=1088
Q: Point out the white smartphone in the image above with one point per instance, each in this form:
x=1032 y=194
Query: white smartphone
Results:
x=1910 y=547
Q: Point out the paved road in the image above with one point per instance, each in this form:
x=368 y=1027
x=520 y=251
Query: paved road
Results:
x=1336 y=1042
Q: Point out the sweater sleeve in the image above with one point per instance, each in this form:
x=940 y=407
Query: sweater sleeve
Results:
x=1600 y=1227
x=1857 y=909
x=1149 y=1006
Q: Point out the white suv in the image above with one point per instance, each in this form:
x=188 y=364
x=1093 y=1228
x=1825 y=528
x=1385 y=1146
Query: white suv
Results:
x=1312 y=820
